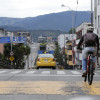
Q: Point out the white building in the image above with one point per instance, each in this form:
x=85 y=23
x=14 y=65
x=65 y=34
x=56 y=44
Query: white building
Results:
x=80 y=31
x=97 y=17
x=10 y=34
x=50 y=46
x=3 y=32
x=97 y=21
x=42 y=39
x=62 y=39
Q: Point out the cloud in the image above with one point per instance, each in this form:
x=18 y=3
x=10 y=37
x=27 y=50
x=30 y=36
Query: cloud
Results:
x=28 y=8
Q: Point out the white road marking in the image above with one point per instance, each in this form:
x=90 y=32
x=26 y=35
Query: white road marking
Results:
x=46 y=72
x=2 y=72
x=98 y=71
x=41 y=75
x=15 y=72
x=61 y=72
x=49 y=75
x=75 y=72
x=30 y=72
x=95 y=73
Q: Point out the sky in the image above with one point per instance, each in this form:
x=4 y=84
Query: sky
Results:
x=33 y=8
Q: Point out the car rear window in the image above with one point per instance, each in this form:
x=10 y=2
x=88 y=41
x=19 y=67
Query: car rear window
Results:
x=46 y=56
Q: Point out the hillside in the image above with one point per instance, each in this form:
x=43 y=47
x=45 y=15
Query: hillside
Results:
x=54 y=21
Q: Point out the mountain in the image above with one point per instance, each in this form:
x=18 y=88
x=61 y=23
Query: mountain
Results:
x=54 y=21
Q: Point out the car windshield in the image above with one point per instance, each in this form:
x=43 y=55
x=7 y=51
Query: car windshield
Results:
x=46 y=56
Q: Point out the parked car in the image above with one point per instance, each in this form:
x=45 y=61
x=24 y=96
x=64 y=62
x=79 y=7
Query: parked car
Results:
x=46 y=60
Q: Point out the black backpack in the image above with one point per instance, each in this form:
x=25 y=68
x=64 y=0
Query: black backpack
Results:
x=89 y=38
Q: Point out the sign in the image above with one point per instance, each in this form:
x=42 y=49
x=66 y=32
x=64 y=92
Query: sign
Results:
x=40 y=52
x=51 y=51
x=14 y=39
x=4 y=39
x=11 y=53
x=11 y=58
x=18 y=40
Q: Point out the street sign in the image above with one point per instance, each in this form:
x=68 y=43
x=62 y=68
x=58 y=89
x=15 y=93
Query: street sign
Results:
x=14 y=39
x=11 y=53
x=4 y=39
x=40 y=52
x=11 y=58
x=19 y=40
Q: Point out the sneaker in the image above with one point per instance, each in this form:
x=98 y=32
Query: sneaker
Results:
x=84 y=74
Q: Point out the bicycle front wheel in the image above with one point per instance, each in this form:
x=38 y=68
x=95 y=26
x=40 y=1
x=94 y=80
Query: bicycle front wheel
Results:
x=90 y=72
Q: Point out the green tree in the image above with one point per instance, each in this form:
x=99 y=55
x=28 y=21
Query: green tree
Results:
x=72 y=30
x=1 y=56
x=19 y=51
x=57 y=54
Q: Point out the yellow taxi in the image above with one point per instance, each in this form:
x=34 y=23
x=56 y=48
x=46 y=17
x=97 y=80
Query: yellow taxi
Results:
x=45 y=60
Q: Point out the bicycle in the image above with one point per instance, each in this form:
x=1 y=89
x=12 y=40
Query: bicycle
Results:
x=90 y=69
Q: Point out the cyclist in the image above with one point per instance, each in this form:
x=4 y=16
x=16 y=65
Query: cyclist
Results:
x=91 y=44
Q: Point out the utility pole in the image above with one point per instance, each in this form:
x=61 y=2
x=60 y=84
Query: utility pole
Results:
x=64 y=53
x=72 y=21
x=91 y=13
x=11 y=48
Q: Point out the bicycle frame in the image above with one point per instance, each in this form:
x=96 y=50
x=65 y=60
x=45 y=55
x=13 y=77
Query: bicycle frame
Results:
x=89 y=73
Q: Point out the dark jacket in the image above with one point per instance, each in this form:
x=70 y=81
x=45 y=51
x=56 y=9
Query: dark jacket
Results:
x=90 y=45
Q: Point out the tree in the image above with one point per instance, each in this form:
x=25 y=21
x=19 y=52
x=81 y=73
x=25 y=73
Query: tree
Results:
x=1 y=56
x=19 y=51
x=57 y=54
x=72 y=30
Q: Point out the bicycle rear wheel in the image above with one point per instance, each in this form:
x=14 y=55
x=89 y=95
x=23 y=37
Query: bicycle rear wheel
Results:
x=90 y=78
x=90 y=72
x=85 y=78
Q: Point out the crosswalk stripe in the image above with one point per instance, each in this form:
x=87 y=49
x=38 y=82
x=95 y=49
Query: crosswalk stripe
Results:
x=98 y=71
x=46 y=72
x=30 y=72
x=75 y=72
x=61 y=72
x=15 y=72
x=3 y=71
x=95 y=73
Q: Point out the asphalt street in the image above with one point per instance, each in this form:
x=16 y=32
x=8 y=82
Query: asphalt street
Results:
x=31 y=59
x=47 y=84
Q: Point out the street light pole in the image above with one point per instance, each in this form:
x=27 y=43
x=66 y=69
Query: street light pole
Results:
x=64 y=53
x=91 y=13
x=11 y=48
x=72 y=16
x=72 y=21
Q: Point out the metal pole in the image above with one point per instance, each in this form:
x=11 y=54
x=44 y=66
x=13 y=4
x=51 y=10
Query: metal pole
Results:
x=72 y=22
x=91 y=13
x=64 y=51
x=72 y=34
x=11 y=51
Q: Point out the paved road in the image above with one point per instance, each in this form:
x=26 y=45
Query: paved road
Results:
x=47 y=84
x=31 y=59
